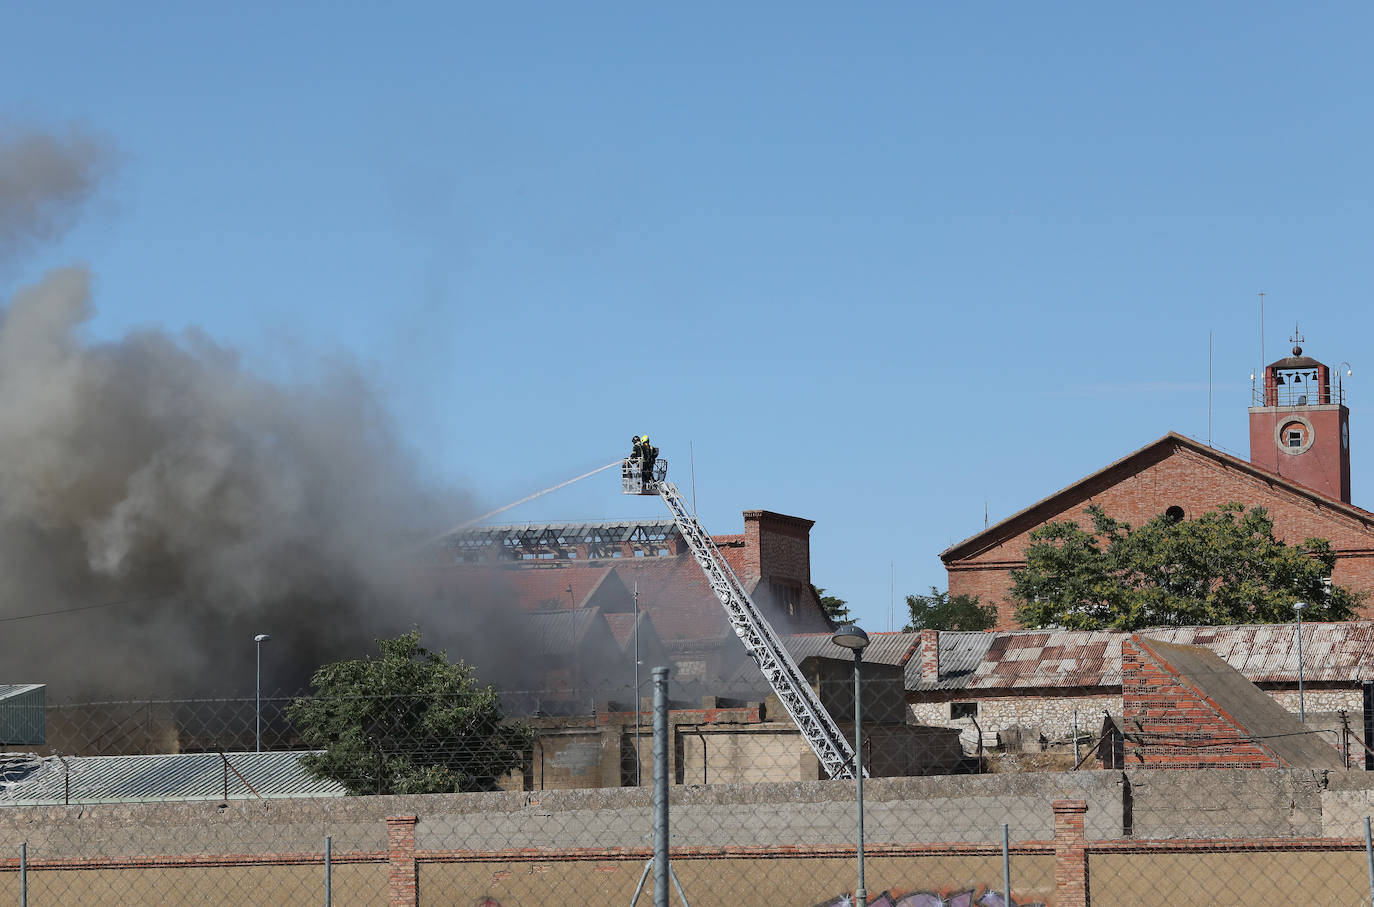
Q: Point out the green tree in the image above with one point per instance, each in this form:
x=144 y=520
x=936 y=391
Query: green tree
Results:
x=941 y=611
x=836 y=610
x=1224 y=567
x=409 y=722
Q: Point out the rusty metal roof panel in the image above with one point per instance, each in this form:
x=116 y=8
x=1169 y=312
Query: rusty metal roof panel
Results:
x=961 y=652
x=883 y=648
x=1269 y=652
x=1264 y=653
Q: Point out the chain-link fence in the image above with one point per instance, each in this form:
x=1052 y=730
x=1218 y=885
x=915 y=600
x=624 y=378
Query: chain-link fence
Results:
x=172 y=802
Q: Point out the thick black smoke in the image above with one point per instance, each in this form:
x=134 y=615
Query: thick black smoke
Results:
x=158 y=472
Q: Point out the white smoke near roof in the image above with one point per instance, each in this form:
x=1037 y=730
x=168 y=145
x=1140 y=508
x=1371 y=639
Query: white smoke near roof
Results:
x=157 y=468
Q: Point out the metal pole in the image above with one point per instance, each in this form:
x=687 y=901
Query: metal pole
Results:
x=1369 y=858
x=1302 y=710
x=1006 y=864
x=328 y=871
x=257 y=709
x=861 y=894
x=24 y=871
x=660 y=787
x=638 y=764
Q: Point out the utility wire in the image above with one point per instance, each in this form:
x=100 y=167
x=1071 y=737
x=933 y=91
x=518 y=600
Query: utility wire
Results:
x=122 y=601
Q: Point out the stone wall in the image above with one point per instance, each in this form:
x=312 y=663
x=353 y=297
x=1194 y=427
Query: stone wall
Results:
x=1034 y=713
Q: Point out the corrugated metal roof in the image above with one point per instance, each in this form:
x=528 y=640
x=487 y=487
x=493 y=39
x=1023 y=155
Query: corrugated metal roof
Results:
x=23 y=714
x=560 y=632
x=883 y=648
x=136 y=779
x=1269 y=652
x=1338 y=652
x=961 y=652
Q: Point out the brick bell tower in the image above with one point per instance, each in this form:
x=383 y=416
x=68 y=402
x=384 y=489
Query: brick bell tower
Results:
x=1301 y=430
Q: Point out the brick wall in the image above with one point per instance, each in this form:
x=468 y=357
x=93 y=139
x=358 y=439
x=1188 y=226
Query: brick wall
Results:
x=1183 y=727
x=1197 y=483
x=777 y=547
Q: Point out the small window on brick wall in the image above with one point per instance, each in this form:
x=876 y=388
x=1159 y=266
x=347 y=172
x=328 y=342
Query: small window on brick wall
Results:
x=963 y=710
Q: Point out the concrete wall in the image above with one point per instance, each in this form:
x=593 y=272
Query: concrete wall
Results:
x=898 y=810
x=769 y=843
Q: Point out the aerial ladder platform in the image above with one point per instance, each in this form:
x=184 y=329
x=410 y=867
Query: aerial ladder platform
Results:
x=781 y=672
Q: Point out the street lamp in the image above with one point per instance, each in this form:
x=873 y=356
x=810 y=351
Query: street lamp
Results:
x=852 y=637
x=1302 y=712
x=258 y=641
x=1340 y=385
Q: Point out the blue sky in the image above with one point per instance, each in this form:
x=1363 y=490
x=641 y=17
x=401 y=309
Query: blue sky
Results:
x=879 y=267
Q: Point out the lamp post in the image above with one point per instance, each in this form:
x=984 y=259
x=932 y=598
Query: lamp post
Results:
x=258 y=641
x=1340 y=385
x=851 y=636
x=1302 y=712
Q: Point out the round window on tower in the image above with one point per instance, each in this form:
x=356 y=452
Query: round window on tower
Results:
x=1293 y=435
x=1174 y=514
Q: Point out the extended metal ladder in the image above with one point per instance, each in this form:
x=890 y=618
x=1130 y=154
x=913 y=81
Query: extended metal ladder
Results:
x=753 y=629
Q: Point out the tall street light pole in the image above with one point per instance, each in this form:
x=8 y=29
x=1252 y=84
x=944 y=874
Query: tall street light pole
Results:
x=258 y=641
x=1302 y=712
x=851 y=636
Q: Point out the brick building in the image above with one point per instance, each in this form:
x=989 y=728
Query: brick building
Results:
x=617 y=569
x=1027 y=686
x=1299 y=470
x=1186 y=708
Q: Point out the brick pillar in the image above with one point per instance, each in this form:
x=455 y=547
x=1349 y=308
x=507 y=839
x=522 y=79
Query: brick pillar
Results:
x=1070 y=854
x=402 y=881
x=930 y=655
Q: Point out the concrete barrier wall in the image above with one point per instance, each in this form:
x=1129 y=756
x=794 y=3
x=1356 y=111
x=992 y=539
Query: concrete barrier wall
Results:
x=1242 y=831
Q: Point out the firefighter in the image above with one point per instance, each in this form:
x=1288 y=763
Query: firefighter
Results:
x=649 y=454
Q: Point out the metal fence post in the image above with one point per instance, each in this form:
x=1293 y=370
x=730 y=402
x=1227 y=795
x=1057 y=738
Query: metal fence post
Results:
x=328 y=870
x=660 y=787
x=1006 y=861
x=24 y=872
x=1369 y=858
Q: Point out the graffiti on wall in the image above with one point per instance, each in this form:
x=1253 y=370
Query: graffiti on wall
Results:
x=965 y=897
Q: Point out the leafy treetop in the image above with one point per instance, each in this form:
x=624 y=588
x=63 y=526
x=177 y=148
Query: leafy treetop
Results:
x=1223 y=567
x=836 y=610
x=941 y=611
x=409 y=722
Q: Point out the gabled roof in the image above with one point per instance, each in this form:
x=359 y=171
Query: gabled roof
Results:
x=45 y=781
x=1252 y=711
x=623 y=629
x=1132 y=463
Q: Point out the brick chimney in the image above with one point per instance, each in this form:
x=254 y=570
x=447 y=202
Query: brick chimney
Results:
x=929 y=653
x=777 y=547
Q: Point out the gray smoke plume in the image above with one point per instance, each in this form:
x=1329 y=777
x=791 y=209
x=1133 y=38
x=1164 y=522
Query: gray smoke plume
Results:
x=160 y=504
x=157 y=467
x=45 y=180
